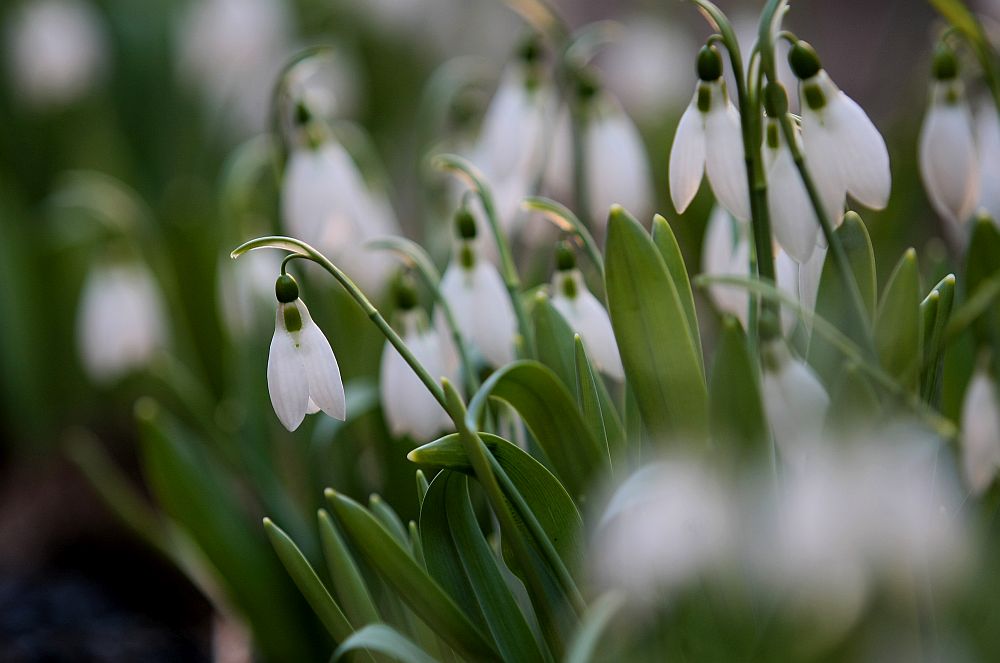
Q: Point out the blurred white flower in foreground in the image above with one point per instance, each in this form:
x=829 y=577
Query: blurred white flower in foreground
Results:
x=795 y=402
x=121 y=322
x=56 y=51
x=232 y=51
x=843 y=149
x=667 y=525
x=326 y=202
x=478 y=298
x=302 y=372
x=246 y=291
x=585 y=315
x=709 y=141
x=981 y=430
x=948 y=163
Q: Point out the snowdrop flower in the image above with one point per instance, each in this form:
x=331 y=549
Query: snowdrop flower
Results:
x=302 y=373
x=246 y=291
x=57 y=50
x=981 y=430
x=478 y=298
x=410 y=409
x=726 y=252
x=231 y=51
x=709 y=141
x=988 y=140
x=121 y=322
x=668 y=524
x=843 y=149
x=792 y=215
x=585 y=315
x=948 y=162
x=794 y=400
x=326 y=202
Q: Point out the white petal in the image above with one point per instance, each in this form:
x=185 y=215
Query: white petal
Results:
x=587 y=317
x=559 y=165
x=617 y=167
x=787 y=276
x=285 y=380
x=726 y=252
x=687 y=157
x=482 y=309
x=792 y=216
x=820 y=148
x=796 y=405
x=409 y=407
x=724 y=157
x=988 y=139
x=981 y=432
x=809 y=276
x=948 y=163
x=320 y=369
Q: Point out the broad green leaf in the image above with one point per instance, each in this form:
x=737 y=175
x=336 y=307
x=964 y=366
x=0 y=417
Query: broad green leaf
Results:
x=196 y=492
x=670 y=251
x=738 y=422
x=388 y=517
x=459 y=558
x=660 y=356
x=551 y=414
x=308 y=582
x=546 y=497
x=410 y=581
x=982 y=262
x=834 y=302
x=421 y=487
x=553 y=339
x=936 y=310
x=897 y=325
x=386 y=640
x=595 y=405
x=587 y=639
x=348 y=582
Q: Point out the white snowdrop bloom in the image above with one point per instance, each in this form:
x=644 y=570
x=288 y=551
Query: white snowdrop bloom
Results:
x=810 y=273
x=795 y=402
x=981 y=431
x=121 y=322
x=792 y=215
x=669 y=524
x=726 y=252
x=478 y=298
x=326 y=202
x=617 y=167
x=56 y=51
x=302 y=373
x=787 y=277
x=231 y=51
x=709 y=141
x=843 y=149
x=409 y=407
x=948 y=163
x=587 y=317
x=988 y=140
x=246 y=291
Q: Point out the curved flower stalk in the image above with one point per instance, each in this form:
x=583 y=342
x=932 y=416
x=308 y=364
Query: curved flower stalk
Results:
x=794 y=400
x=121 y=322
x=709 y=141
x=246 y=291
x=948 y=162
x=585 y=314
x=981 y=430
x=409 y=408
x=302 y=372
x=478 y=298
x=843 y=149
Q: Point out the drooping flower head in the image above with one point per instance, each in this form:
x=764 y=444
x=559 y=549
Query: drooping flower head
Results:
x=795 y=402
x=792 y=215
x=302 y=372
x=709 y=141
x=981 y=430
x=948 y=162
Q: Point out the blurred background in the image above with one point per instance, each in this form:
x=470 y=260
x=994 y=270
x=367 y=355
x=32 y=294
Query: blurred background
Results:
x=137 y=120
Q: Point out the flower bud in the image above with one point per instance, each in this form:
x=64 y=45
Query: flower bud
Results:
x=405 y=293
x=286 y=289
x=944 y=67
x=565 y=258
x=803 y=60
x=465 y=224
x=775 y=99
x=709 y=63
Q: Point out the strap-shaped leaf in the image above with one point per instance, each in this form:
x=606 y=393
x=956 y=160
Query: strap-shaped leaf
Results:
x=670 y=251
x=661 y=360
x=738 y=422
x=410 y=581
x=348 y=583
x=596 y=406
x=897 y=326
x=553 y=339
x=386 y=640
x=459 y=558
x=551 y=415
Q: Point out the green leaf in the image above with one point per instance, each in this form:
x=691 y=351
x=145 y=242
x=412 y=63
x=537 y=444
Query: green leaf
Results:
x=660 y=356
x=388 y=517
x=308 y=582
x=385 y=640
x=738 y=422
x=583 y=647
x=421 y=487
x=670 y=251
x=897 y=325
x=348 y=583
x=553 y=339
x=551 y=414
x=410 y=581
x=459 y=557
x=982 y=262
x=854 y=405
x=546 y=497
x=936 y=310
x=834 y=302
x=595 y=405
